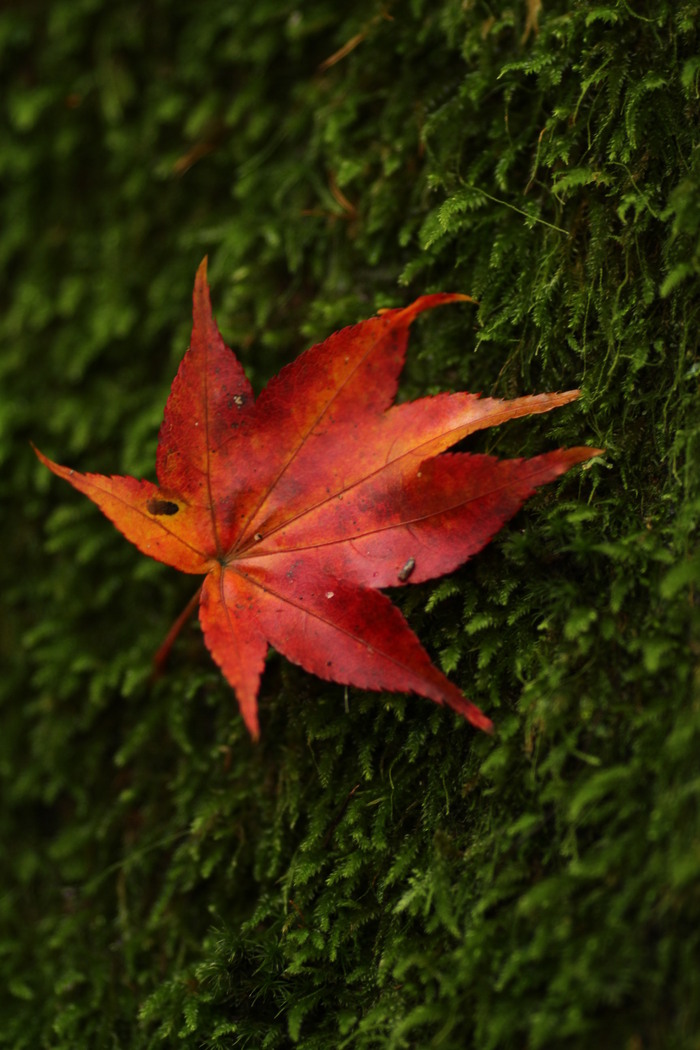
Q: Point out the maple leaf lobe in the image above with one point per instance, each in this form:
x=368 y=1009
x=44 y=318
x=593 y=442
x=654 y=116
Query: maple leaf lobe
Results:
x=298 y=506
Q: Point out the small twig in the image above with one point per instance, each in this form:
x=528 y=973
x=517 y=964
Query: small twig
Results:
x=533 y=218
x=342 y=51
x=337 y=818
x=352 y=43
x=298 y=910
x=348 y=207
x=531 y=19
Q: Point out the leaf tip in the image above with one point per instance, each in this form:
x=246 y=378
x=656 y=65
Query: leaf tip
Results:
x=202 y=312
x=254 y=731
x=473 y=714
x=582 y=454
x=250 y=719
x=430 y=301
x=201 y=277
x=480 y=721
x=55 y=468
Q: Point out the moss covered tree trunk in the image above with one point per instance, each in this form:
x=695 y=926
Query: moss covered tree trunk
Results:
x=376 y=875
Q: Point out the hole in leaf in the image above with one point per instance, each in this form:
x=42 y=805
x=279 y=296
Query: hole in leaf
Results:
x=161 y=506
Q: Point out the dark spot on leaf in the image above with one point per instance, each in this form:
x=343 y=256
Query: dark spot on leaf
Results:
x=161 y=506
x=408 y=568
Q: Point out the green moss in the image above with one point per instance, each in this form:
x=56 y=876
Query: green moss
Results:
x=381 y=876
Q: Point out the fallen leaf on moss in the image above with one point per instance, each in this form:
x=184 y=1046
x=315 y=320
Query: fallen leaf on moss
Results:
x=298 y=506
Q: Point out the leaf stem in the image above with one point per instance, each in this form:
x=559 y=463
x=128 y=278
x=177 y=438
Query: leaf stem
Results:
x=164 y=650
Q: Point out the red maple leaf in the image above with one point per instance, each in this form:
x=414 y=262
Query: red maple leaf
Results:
x=298 y=506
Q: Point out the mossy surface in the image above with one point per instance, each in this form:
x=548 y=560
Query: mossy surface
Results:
x=381 y=875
